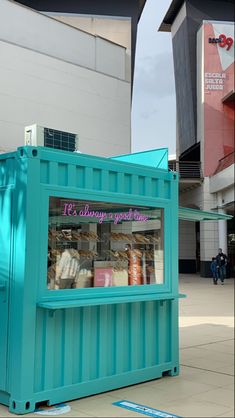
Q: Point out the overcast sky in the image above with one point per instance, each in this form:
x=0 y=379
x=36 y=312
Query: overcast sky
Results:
x=153 y=105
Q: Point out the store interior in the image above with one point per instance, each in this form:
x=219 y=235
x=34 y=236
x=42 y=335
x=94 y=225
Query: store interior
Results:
x=99 y=244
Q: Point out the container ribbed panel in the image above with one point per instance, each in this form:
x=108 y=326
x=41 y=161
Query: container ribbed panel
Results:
x=7 y=172
x=84 y=344
x=79 y=176
x=63 y=354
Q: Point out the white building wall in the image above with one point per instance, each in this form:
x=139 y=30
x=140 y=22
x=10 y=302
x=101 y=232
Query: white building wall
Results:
x=116 y=29
x=110 y=58
x=209 y=231
x=187 y=240
x=45 y=79
x=209 y=240
x=39 y=89
x=34 y=30
x=222 y=186
x=223 y=180
x=214 y=194
x=201 y=198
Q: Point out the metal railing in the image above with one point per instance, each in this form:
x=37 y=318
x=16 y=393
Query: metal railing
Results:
x=225 y=162
x=186 y=169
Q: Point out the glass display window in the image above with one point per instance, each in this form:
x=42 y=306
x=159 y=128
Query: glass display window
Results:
x=100 y=244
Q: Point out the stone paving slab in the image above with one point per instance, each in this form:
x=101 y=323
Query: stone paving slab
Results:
x=205 y=386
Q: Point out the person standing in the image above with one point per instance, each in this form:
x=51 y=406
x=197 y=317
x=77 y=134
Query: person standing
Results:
x=221 y=260
x=214 y=270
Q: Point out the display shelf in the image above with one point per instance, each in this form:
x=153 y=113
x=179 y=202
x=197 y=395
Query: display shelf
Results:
x=133 y=242
x=144 y=243
x=76 y=303
x=101 y=241
x=77 y=241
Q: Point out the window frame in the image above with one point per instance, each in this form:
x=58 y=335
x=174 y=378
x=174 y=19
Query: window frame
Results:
x=101 y=292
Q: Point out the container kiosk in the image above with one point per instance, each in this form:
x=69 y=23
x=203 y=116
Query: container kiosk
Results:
x=88 y=275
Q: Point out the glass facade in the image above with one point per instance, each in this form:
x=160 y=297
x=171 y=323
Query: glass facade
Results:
x=99 y=244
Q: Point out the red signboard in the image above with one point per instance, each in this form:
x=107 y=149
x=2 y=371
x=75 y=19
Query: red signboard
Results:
x=217 y=66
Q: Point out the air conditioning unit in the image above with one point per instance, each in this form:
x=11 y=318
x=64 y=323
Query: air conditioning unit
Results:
x=36 y=135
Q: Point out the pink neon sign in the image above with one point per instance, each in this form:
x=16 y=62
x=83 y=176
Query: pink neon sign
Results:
x=131 y=215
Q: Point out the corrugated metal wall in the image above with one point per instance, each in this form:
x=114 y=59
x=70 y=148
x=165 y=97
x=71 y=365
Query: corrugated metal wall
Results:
x=81 y=176
x=84 y=344
x=72 y=352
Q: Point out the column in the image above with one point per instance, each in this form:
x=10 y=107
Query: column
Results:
x=222 y=228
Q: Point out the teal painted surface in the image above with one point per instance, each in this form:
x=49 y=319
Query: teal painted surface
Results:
x=65 y=354
x=7 y=180
x=5 y=244
x=115 y=340
x=194 y=215
x=75 y=303
x=157 y=158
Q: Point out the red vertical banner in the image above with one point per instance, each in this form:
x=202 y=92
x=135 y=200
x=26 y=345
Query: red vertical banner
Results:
x=218 y=86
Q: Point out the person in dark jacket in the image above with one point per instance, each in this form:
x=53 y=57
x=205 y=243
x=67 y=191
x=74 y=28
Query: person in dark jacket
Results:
x=221 y=260
x=214 y=270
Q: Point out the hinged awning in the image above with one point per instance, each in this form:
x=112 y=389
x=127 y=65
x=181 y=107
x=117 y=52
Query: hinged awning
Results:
x=188 y=214
x=156 y=158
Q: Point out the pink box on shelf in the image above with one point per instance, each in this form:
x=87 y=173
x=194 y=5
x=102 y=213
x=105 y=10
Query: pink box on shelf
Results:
x=103 y=277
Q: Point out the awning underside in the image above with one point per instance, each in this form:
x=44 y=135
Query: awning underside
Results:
x=188 y=214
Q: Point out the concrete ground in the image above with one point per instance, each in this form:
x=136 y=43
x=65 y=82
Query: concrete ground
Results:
x=205 y=386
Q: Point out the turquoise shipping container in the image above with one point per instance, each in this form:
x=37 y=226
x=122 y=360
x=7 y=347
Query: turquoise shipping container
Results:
x=59 y=345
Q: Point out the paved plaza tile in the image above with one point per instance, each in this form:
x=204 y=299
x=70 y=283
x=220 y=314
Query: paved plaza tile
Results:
x=205 y=386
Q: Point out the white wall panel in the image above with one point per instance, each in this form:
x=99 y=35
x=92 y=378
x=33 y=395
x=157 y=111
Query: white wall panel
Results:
x=110 y=58
x=35 y=31
x=223 y=179
x=187 y=240
x=39 y=89
x=116 y=29
x=40 y=33
x=209 y=240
